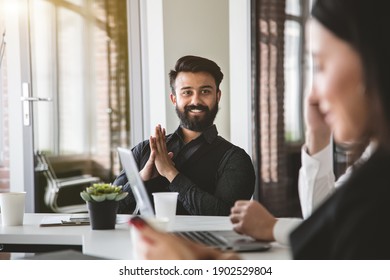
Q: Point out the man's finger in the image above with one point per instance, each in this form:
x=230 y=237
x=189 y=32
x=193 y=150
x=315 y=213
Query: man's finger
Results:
x=152 y=143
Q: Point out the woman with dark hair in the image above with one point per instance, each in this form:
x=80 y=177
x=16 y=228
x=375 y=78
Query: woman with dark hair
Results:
x=350 y=46
x=351 y=54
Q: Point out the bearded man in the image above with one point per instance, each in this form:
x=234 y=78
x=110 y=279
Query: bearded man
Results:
x=207 y=171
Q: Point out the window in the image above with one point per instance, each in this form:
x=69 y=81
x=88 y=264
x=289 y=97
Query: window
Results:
x=294 y=69
x=278 y=80
x=75 y=53
x=61 y=70
x=79 y=60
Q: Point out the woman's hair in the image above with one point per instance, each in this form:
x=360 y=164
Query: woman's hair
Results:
x=195 y=64
x=365 y=26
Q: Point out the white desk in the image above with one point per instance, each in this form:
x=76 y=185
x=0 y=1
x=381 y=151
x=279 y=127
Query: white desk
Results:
x=113 y=244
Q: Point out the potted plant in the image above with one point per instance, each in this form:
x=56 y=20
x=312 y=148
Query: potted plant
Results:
x=103 y=201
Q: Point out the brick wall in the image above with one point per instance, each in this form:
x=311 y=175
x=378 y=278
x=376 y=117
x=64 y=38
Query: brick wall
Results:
x=111 y=85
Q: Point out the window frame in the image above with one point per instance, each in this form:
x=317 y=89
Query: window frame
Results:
x=2 y=59
x=302 y=72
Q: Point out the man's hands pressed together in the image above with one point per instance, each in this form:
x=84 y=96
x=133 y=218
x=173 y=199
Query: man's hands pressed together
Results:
x=160 y=160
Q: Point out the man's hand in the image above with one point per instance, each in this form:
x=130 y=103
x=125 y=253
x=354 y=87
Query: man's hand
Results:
x=160 y=160
x=317 y=131
x=149 y=171
x=249 y=217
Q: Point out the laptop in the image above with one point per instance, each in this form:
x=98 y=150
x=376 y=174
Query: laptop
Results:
x=223 y=240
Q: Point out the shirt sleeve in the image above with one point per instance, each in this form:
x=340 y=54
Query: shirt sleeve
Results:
x=316 y=179
x=235 y=181
x=283 y=228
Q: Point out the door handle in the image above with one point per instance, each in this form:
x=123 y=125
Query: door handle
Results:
x=34 y=99
x=26 y=99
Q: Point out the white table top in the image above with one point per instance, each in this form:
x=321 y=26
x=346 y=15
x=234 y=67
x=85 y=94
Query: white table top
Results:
x=114 y=244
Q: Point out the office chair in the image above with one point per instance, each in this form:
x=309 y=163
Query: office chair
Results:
x=58 y=186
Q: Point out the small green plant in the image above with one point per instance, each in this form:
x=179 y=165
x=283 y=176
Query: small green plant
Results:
x=102 y=191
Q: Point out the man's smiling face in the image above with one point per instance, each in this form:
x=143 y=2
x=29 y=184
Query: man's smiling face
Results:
x=196 y=99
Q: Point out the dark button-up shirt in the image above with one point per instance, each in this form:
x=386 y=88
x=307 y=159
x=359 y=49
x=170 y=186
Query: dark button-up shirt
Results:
x=213 y=174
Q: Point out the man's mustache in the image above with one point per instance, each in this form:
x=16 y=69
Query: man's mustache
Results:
x=196 y=107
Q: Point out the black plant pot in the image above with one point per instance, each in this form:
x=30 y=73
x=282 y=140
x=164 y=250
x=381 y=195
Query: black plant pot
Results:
x=102 y=215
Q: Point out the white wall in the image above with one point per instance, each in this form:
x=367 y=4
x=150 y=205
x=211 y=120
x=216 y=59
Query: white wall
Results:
x=216 y=29
x=198 y=28
x=153 y=64
x=240 y=74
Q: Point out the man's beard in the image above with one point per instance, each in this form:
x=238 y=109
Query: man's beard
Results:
x=197 y=123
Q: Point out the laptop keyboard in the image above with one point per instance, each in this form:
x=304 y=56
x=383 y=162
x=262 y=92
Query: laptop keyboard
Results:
x=203 y=237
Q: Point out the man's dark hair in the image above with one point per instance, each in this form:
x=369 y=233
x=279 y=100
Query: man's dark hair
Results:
x=195 y=64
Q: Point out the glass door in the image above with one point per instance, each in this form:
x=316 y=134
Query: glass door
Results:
x=74 y=98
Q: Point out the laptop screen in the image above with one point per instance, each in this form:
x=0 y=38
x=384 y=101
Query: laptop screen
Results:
x=137 y=186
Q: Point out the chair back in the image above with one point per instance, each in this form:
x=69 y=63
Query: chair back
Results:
x=57 y=186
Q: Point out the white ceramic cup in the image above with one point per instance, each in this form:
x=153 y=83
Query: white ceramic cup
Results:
x=138 y=246
x=165 y=206
x=12 y=208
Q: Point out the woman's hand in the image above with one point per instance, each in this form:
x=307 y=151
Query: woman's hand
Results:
x=249 y=217
x=166 y=246
x=317 y=130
